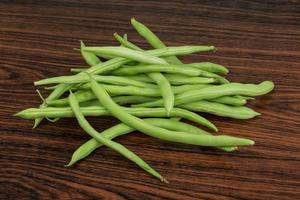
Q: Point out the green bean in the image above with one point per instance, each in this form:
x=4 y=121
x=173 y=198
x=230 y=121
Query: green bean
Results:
x=86 y=95
x=154 y=41
x=59 y=112
x=132 y=70
x=77 y=70
x=126 y=53
x=210 y=67
x=90 y=58
x=56 y=93
x=126 y=43
x=109 y=143
x=230 y=100
x=218 y=91
x=121 y=129
x=118 y=80
x=237 y=112
x=181 y=137
x=142 y=85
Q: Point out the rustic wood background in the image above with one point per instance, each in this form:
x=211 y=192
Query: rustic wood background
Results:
x=257 y=40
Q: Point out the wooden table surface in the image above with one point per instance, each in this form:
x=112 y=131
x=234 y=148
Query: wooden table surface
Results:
x=257 y=40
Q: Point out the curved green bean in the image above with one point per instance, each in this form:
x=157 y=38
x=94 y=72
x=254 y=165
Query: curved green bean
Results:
x=210 y=67
x=121 y=129
x=109 y=143
x=126 y=43
x=90 y=58
x=153 y=40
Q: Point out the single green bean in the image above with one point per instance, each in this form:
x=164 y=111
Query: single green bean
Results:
x=126 y=43
x=109 y=143
x=237 y=112
x=213 y=92
x=181 y=137
x=121 y=129
x=77 y=70
x=59 y=112
x=90 y=58
x=230 y=100
x=153 y=40
x=210 y=67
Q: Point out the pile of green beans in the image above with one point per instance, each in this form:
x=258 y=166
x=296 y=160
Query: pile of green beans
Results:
x=149 y=91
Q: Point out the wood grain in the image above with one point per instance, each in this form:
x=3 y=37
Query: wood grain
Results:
x=258 y=40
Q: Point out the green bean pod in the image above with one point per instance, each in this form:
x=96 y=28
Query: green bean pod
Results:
x=126 y=43
x=152 y=39
x=210 y=67
x=90 y=58
x=121 y=129
x=237 y=112
x=109 y=143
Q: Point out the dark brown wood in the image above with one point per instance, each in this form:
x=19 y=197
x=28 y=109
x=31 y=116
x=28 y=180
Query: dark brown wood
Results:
x=257 y=40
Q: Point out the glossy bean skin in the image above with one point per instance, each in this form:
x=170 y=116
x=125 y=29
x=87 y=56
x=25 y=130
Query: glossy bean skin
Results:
x=213 y=92
x=121 y=129
x=90 y=58
x=181 y=137
x=84 y=124
x=61 y=112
